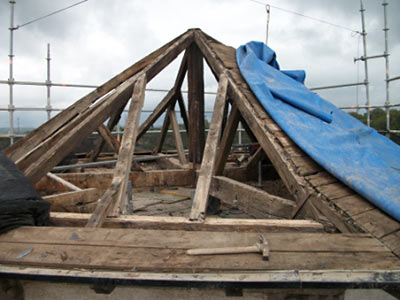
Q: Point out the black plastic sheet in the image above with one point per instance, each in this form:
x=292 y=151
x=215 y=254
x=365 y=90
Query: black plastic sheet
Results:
x=20 y=204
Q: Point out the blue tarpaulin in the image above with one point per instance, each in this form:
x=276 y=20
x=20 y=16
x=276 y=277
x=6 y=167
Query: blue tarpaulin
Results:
x=356 y=154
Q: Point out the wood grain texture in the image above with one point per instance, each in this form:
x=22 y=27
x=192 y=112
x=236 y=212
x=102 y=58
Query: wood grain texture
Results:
x=210 y=154
x=112 y=200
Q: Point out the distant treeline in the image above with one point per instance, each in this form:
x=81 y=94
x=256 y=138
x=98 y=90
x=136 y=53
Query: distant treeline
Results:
x=378 y=118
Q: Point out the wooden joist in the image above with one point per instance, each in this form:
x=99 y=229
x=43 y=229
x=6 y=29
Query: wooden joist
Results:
x=253 y=201
x=113 y=199
x=210 y=153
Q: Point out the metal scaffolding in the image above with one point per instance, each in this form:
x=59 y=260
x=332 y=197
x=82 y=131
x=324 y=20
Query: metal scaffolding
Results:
x=11 y=82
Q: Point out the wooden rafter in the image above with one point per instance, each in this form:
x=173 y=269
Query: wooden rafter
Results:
x=227 y=140
x=19 y=149
x=113 y=199
x=45 y=156
x=210 y=153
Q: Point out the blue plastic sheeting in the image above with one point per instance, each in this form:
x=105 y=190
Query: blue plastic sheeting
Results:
x=356 y=154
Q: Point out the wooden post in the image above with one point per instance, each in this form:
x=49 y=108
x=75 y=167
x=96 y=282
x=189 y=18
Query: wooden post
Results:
x=199 y=206
x=196 y=104
x=227 y=140
x=113 y=197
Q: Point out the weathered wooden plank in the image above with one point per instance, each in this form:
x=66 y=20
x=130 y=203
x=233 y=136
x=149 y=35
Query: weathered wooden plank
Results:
x=331 y=215
x=34 y=138
x=179 y=239
x=321 y=178
x=335 y=190
x=108 y=138
x=354 y=205
x=305 y=166
x=196 y=104
x=64 y=201
x=182 y=223
x=249 y=199
x=112 y=200
x=377 y=223
x=63 y=182
x=210 y=154
x=177 y=137
x=226 y=140
x=156 y=259
x=392 y=241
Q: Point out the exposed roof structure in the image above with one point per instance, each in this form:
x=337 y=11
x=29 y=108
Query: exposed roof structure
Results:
x=365 y=238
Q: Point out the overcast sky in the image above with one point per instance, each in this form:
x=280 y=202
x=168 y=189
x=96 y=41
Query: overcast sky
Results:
x=96 y=40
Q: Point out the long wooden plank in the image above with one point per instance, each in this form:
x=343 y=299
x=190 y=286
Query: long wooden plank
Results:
x=145 y=259
x=273 y=279
x=196 y=104
x=227 y=140
x=210 y=154
x=34 y=138
x=179 y=239
x=251 y=200
x=182 y=223
x=112 y=201
x=144 y=254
